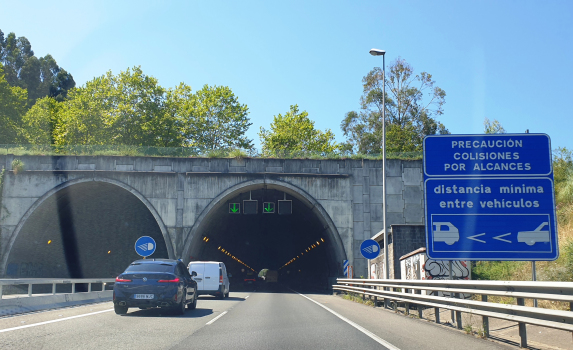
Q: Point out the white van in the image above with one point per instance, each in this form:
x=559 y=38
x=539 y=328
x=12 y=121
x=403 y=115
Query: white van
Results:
x=211 y=278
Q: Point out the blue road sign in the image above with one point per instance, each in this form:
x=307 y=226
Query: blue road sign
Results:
x=370 y=249
x=479 y=216
x=145 y=246
x=487 y=155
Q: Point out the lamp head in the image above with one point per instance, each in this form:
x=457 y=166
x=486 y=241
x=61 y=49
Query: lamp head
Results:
x=376 y=52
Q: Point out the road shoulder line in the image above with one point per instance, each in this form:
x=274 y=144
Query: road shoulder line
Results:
x=52 y=321
x=358 y=327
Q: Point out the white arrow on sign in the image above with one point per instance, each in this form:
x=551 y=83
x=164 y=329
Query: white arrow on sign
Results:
x=501 y=239
x=475 y=239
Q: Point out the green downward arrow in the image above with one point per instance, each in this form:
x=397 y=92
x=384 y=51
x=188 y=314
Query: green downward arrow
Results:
x=234 y=209
x=268 y=207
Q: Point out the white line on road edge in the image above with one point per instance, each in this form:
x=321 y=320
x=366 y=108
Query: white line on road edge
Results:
x=247 y=297
x=52 y=321
x=360 y=328
x=216 y=318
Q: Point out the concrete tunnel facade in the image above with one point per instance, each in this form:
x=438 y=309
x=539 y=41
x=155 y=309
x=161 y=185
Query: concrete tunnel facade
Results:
x=344 y=197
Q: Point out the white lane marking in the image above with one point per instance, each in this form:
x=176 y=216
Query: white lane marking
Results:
x=247 y=297
x=216 y=318
x=360 y=328
x=52 y=321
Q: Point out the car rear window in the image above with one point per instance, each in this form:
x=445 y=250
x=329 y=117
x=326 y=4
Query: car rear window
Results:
x=150 y=268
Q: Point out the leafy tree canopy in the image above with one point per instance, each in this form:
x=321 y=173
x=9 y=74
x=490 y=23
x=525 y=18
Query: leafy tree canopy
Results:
x=39 y=76
x=12 y=108
x=295 y=132
x=412 y=104
x=492 y=127
x=214 y=119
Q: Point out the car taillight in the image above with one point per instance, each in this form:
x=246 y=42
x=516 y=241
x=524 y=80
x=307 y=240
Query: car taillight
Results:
x=169 y=281
x=119 y=279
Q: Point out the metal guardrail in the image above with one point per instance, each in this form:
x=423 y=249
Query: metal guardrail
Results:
x=411 y=292
x=54 y=282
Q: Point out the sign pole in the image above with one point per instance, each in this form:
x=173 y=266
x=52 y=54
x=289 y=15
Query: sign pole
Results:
x=452 y=315
x=533 y=278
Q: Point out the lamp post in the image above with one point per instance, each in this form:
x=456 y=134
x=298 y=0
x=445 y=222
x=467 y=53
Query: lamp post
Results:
x=377 y=52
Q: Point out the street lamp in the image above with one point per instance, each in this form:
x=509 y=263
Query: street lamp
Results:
x=377 y=52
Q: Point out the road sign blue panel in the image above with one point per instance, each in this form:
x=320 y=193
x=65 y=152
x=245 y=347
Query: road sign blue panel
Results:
x=487 y=155
x=370 y=249
x=145 y=246
x=510 y=218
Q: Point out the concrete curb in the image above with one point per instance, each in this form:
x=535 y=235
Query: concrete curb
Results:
x=14 y=306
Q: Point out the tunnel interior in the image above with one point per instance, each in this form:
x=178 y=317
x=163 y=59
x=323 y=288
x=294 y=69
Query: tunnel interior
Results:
x=298 y=245
x=86 y=230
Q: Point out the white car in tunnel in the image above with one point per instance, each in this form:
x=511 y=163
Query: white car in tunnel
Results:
x=211 y=278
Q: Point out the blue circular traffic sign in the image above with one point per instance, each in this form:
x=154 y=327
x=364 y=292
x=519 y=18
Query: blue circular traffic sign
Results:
x=145 y=246
x=370 y=249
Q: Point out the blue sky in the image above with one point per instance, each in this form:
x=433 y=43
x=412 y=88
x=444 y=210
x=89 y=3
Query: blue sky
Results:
x=505 y=60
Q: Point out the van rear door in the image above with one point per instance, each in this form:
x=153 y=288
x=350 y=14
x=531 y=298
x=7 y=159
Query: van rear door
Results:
x=211 y=280
x=200 y=269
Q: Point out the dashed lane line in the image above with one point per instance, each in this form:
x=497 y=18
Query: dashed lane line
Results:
x=216 y=318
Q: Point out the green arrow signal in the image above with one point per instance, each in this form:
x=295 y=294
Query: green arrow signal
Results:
x=234 y=209
x=268 y=207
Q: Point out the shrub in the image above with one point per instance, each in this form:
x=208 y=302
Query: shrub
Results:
x=17 y=166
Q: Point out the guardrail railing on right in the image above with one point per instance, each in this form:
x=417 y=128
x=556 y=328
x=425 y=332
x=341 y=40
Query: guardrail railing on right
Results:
x=425 y=293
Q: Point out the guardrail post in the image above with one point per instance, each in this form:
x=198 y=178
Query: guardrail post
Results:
x=485 y=319
x=30 y=289
x=386 y=306
x=522 y=330
x=89 y=287
x=407 y=308
x=53 y=288
x=420 y=311
x=0 y=291
x=73 y=288
x=437 y=314
x=458 y=315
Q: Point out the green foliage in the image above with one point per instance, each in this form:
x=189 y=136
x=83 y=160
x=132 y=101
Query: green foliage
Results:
x=39 y=76
x=492 y=127
x=125 y=109
x=563 y=175
x=238 y=154
x=213 y=118
x=295 y=132
x=497 y=270
x=12 y=108
x=17 y=166
x=412 y=102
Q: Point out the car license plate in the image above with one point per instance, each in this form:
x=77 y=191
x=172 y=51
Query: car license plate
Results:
x=143 y=296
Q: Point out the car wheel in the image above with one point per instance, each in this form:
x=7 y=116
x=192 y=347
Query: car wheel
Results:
x=180 y=308
x=193 y=305
x=226 y=295
x=120 y=310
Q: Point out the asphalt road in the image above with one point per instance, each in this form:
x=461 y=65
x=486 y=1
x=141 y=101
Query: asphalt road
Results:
x=246 y=320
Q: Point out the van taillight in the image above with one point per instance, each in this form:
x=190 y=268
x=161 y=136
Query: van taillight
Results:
x=221 y=278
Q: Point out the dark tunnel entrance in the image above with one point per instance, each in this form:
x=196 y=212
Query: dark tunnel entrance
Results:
x=300 y=246
x=85 y=230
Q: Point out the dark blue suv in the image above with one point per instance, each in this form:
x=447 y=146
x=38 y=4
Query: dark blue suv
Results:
x=151 y=283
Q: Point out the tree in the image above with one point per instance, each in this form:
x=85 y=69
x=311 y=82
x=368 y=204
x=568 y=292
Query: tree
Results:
x=42 y=121
x=214 y=119
x=130 y=108
x=39 y=76
x=492 y=127
x=12 y=108
x=412 y=103
x=295 y=132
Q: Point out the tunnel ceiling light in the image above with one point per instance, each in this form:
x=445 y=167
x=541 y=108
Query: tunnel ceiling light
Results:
x=109 y=251
x=50 y=241
x=322 y=239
